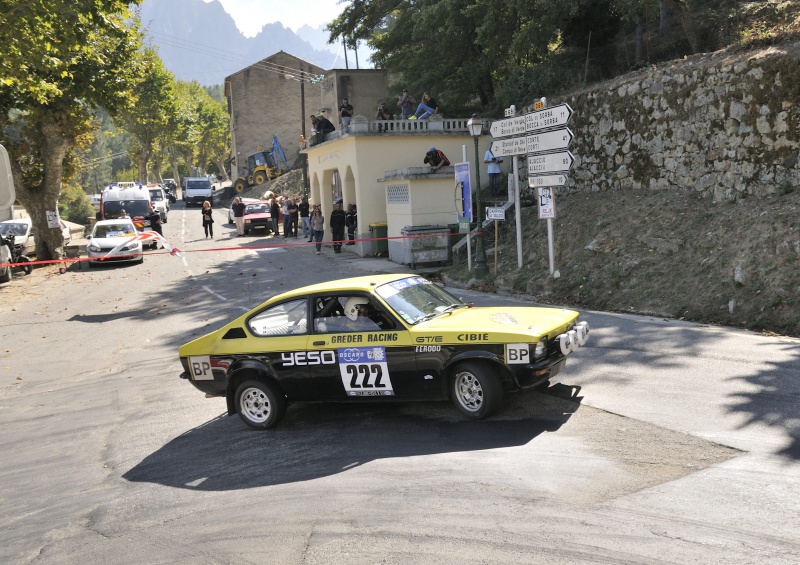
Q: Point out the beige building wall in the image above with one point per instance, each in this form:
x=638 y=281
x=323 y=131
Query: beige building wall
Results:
x=355 y=166
x=264 y=100
x=363 y=88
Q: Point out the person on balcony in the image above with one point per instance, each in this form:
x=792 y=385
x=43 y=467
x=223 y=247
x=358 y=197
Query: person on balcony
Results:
x=384 y=113
x=406 y=103
x=323 y=127
x=436 y=159
x=345 y=115
x=428 y=107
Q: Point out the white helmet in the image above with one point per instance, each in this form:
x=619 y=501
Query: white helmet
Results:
x=352 y=304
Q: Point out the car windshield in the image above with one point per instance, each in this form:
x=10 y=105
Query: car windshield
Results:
x=112 y=209
x=416 y=299
x=256 y=209
x=114 y=230
x=156 y=195
x=198 y=184
x=15 y=229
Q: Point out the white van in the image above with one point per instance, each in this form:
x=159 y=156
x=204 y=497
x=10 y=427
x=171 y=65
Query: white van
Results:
x=160 y=201
x=126 y=200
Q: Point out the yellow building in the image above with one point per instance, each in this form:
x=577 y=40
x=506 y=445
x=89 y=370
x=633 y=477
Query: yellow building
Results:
x=379 y=167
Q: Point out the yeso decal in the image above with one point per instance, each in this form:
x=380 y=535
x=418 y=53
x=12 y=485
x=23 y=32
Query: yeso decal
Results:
x=302 y=358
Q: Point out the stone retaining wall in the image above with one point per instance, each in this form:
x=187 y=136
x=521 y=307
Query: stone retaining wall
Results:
x=726 y=125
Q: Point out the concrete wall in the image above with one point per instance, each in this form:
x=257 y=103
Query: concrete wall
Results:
x=364 y=89
x=362 y=160
x=264 y=100
x=721 y=125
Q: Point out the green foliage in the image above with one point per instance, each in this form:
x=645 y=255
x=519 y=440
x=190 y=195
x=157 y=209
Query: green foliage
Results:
x=74 y=204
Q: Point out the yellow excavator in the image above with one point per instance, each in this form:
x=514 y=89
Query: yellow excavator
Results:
x=262 y=166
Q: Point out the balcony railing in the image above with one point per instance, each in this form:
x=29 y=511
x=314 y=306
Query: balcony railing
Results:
x=361 y=125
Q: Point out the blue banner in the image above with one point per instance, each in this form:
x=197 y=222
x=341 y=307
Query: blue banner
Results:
x=463 y=182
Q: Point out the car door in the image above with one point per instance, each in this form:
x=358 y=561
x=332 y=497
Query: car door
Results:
x=374 y=356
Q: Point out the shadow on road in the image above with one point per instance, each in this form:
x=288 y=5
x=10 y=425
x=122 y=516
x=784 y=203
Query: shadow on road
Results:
x=318 y=440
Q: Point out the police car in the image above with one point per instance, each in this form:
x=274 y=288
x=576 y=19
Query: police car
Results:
x=379 y=338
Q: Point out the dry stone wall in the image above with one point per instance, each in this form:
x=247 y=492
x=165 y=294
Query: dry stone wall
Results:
x=724 y=125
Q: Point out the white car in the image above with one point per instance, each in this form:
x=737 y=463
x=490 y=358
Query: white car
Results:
x=22 y=228
x=107 y=235
x=160 y=201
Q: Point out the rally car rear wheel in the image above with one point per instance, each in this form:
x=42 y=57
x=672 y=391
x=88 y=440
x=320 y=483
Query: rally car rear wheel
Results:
x=260 y=404
x=475 y=391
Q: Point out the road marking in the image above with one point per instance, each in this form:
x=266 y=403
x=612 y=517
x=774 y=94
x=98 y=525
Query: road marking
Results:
x=212 y=293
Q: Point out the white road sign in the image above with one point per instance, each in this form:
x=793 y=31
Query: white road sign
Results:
x=549 y=140
x=547 y=202
x=510 y=146
x=508 y=127
x=547 y=180
x=496 y=213
x=560 y=162
x=548 y=118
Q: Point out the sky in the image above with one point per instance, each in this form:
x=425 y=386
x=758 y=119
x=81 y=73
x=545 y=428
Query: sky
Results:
x=251 y=15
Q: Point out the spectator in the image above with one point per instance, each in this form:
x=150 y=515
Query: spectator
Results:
x=324 y=126
x=238 y=215
x=345 y=115
x=436 y=159
x=287 y=230
x=318 y=227
x=337 y=226
x=122 y=214
x=275 y=213
x=208 y=221
x=406 y=103
x=292 y=208
x=155 y=220
x=428 y=107
x=384 y=113
x=351 y=222
x=305 y=218
x=493 y=168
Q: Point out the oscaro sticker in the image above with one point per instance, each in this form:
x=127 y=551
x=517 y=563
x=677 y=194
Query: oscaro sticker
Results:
x=364 y=371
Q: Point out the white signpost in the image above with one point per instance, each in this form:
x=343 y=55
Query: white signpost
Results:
x=547 y=180
x=545 y=163
x=508 y=127
x=544 y=141
x=496 y=213
x=548 y=118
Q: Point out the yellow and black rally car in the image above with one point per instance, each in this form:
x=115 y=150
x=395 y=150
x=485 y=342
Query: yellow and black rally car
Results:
x=378 y=338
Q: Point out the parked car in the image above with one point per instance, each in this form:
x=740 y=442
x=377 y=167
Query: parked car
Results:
x=107 y=235
x=158 y=198
x=257 y=217
x=24 y=234
x=246 y=201
x=378 y=338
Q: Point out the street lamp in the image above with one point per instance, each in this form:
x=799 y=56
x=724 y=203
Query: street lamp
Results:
x=475 y=126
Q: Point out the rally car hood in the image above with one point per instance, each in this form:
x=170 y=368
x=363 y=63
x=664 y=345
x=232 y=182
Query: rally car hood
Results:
x=530 y=321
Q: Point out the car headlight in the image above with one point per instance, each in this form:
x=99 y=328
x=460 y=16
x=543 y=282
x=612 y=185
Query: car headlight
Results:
x=94 y=248
x=541 y=349
x=247 y=221
x=131 y=246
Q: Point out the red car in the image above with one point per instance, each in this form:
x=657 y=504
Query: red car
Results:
x=256 y=217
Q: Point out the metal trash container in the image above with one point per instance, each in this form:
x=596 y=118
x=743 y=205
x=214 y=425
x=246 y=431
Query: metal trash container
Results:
x=425 y=245
x=380 y=245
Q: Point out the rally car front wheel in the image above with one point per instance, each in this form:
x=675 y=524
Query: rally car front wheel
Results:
x=476 y=391
x=260 y=404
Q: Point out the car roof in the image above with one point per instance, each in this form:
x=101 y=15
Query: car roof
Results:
x=363 y=284
x=249 y=201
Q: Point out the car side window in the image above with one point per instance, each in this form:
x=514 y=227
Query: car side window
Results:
x=330 y=316
x=287 y=318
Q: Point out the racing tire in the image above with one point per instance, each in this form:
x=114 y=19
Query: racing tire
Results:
x=475 y=391
x=261 y=405
x=5 y=274
x=239 y=186
x=27 y=269
x=259 y=178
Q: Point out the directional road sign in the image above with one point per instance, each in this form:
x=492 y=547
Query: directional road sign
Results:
x=508 y=127
x=538 y=142
x=547 y=180
x=549 y=140
x=550 y=163
x=548 y=118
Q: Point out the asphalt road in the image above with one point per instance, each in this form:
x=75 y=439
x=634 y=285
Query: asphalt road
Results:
x=663 y=442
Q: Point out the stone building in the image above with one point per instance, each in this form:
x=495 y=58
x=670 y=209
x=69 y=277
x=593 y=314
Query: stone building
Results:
x=265 y=99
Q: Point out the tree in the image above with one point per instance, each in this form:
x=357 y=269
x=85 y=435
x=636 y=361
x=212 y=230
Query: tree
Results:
x=60 y=62
x=154 y=107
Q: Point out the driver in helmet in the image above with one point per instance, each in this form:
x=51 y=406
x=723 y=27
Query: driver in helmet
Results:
x=359 y=312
